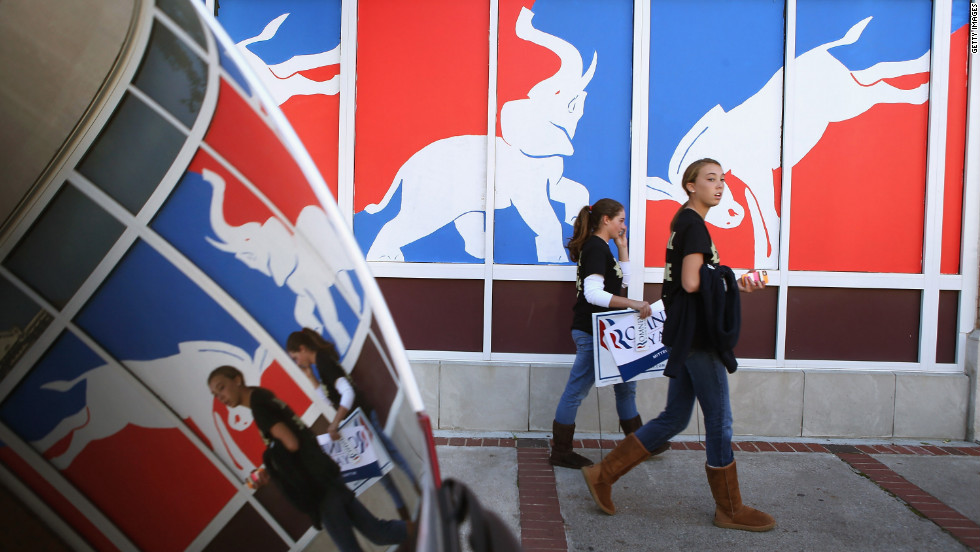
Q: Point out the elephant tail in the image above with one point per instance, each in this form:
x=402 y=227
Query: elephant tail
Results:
x=376 y=207
x=851 y=36
x=62 y=385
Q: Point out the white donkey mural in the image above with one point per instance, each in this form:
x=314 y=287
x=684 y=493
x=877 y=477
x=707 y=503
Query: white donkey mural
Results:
x=113 y=401
x=444 y=182
x=749 y=135
x=284 y=80
x=272 y=249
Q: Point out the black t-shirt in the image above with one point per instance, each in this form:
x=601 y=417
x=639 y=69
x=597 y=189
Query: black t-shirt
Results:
x=268 y=410
x=330 y=371
x=305 y=475
x=595 y=258
x=689 y=235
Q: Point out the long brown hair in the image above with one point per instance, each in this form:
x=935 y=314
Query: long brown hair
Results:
x=588 y=221
x=691 y=175
x=327 y=360
x=307 y=337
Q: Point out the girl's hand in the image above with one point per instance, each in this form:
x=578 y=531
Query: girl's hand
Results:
x=334 y=432
x=621 y=242
x=258 y=478
x=748 y=284
x=642 y=307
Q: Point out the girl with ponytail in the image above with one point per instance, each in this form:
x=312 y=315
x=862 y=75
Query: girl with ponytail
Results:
x=600 y=283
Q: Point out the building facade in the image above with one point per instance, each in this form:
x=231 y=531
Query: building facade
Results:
x=843 y=131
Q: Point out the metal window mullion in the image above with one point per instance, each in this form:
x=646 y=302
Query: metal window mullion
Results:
x=935 y=184
x=348 y=105
x=970 y=232
x=490 y=201
x=639 y=143
x=786 y=184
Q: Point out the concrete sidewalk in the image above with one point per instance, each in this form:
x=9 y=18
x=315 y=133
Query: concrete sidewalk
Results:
x=825 y=495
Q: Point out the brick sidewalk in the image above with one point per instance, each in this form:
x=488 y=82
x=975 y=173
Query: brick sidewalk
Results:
x=543 y=528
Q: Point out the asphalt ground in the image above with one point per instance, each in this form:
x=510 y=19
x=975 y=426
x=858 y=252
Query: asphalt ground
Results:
x=866 y=495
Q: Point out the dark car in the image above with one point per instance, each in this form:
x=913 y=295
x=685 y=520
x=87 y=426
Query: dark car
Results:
x=160 y=218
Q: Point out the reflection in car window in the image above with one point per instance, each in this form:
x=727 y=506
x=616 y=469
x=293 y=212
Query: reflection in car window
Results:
x=173 y=75
x=63 y=247
x=21 y=321
x=132 y=154
x=183 y=14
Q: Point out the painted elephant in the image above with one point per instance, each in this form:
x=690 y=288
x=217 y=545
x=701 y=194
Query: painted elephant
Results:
x=274 y=250
x=444 y=182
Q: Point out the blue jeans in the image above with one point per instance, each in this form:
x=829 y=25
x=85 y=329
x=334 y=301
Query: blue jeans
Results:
x=704 y=378
x=340 y=513
x=580 y=381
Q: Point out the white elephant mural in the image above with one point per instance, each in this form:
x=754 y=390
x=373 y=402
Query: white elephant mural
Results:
x=272 y=249
x=113 y=401
x=749 y=135
x=284 y=80
x=444 y=182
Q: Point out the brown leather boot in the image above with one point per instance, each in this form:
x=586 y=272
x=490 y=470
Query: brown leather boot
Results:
x=562 y=454
x=730 y=513
x=600 y=477
x=633 y=424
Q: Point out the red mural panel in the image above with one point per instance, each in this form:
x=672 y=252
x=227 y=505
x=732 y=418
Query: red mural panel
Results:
x=955 y=152
x=239 y=135
x=119 y=472
x=422 y=75
x=55 y=500
x=859 y=194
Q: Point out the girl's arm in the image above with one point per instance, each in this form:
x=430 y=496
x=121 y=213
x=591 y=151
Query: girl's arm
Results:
x=346 y=402
x=285 y=436
x=691 y=272
x=596 y=295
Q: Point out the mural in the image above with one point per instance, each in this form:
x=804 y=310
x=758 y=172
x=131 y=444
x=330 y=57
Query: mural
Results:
x=294 y=49
x=851 y=65
x=543 y=82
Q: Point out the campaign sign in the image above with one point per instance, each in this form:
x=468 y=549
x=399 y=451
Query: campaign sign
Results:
x=626 y=347
x=359 y=452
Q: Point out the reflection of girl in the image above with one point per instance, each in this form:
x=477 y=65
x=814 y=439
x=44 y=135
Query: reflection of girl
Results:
x=701 y=351
x=318 y=359
x=309 y=478
x=600 y=282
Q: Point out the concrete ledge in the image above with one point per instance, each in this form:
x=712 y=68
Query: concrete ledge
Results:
x=515 y=397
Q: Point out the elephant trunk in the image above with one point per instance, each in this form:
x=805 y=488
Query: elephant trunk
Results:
x=570 y=69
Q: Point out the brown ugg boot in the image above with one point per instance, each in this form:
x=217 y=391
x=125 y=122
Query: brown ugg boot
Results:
x=730 y=513
x=562 y=454
x=600 y=477
x=633 y=424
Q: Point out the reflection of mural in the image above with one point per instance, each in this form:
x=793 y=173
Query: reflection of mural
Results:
x=105 y=413
x=749 y=135
x=444 y=182
x=270 y=248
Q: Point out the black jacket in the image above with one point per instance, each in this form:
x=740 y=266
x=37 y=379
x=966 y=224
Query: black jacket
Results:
x=722 y=310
